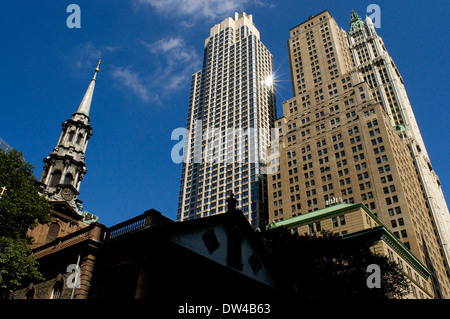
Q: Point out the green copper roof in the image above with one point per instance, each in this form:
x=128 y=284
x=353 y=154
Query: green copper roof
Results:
x=355 y=21
x=321 y=213
x=380 y=230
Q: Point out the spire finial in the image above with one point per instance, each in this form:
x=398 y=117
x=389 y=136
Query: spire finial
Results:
x=97 y=68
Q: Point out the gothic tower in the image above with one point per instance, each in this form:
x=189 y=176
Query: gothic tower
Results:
x=379 y=71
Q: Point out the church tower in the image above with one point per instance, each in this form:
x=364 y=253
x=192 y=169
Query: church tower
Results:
x=65 y=167
x=63 y=172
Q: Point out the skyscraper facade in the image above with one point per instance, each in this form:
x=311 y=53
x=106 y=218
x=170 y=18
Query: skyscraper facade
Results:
x=231 y=110
x=4 y=147
x=379 y=71
x=344 y=138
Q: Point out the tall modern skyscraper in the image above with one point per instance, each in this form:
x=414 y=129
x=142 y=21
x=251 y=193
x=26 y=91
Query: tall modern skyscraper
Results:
x=349 y=135
x=4 y=147
x=231 y=110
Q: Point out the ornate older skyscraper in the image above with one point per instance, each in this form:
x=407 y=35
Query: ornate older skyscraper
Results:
x=379 y=71
x=232 y=98
x=349 y=135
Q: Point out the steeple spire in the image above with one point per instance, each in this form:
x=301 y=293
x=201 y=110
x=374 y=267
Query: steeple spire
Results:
x=85 y=104
x=65 y=167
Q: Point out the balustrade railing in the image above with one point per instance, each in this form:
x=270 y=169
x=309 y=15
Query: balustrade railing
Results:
x=96 y=232
x=129 y=226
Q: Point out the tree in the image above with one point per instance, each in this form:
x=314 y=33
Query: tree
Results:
x=22 y=207
x=326 y=266
x=16 y=265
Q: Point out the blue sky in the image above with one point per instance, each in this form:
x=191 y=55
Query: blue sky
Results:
x=149 y=50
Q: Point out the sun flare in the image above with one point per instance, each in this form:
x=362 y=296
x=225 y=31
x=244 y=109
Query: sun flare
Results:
x=269 y=81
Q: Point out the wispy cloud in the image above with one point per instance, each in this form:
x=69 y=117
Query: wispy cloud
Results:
x=172 y=66
x=173 y=58
x=265 y=3
x=177 y=61
x=165 y=45
x=130 y=79
x=211 y=9
x=87 y=55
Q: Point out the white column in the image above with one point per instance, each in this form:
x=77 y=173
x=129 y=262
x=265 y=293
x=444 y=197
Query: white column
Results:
x=63 y=175
x=85 y=145
x=50 y=171
x=61 y=136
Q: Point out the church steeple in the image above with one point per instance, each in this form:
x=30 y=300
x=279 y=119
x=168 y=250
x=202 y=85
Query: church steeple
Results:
x=85 y=105
x=65 y=167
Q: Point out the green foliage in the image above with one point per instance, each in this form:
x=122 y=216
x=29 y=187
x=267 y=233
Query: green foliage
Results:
x=326 y=266
x=21 y=207
x=16 y=265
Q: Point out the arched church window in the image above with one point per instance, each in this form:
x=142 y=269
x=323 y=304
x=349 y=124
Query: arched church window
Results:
x=56 y=177
x=53 y=232
x=70 y=136
x=57 y=290
x=68 y=179
x=79 y=138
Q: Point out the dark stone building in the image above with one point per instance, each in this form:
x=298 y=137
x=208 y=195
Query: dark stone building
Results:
x=152 y=257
